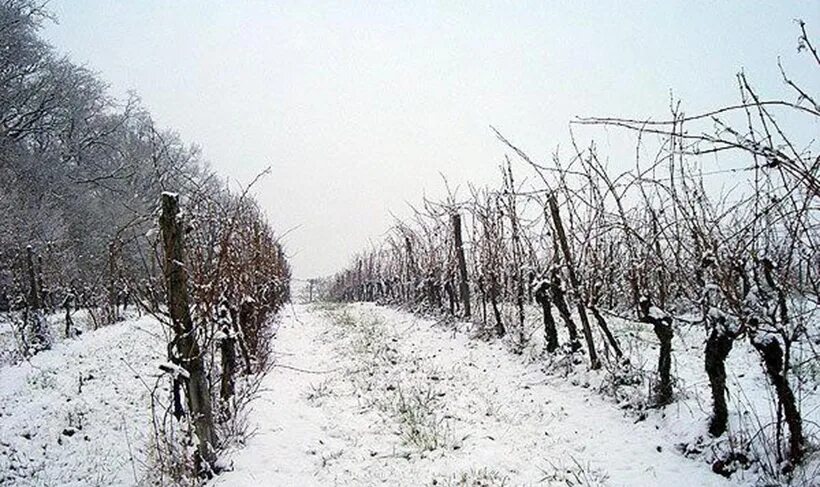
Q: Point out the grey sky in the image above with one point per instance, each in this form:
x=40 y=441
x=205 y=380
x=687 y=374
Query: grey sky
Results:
x=357 y=107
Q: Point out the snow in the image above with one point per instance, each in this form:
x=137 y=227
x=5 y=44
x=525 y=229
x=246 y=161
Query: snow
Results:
x=79 y=414
x=175 y=370
x=365 y=395
x=657 y=313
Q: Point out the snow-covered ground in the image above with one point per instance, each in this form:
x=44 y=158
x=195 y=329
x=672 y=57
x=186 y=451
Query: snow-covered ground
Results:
x=79 y=414
x=366 y=395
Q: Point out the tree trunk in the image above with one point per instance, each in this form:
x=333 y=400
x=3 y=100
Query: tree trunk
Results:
x=39 y=327
x=451 y=296
x=186 y=353
x=45 y=301
x=33 y=291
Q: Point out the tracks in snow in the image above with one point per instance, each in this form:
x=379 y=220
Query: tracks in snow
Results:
x=364 y=395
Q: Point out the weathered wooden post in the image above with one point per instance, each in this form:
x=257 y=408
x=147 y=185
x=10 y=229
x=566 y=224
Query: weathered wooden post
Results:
x=464 y=284
x=228 y=353
x=184 y=347
x=542 y=297
x=411 y=271
x=594 y=363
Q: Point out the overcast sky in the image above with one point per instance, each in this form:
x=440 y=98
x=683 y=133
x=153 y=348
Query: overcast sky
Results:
x=357 y=107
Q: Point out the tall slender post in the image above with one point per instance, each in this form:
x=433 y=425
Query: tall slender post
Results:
x=464 y=285
x=594 y=363
x=184 y=347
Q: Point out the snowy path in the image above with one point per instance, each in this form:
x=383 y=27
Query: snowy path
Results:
x=371 y=396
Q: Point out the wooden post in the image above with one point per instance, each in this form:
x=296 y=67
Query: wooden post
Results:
x=594 y=363
x=557 y=294
x=184 y=347
x=515 y=273
x=500 y=330
x=411 y=271
x=228 y=354
x=464 y=285
x=550 y=333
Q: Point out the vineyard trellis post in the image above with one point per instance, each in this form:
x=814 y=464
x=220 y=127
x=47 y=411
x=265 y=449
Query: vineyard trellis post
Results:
x=184 y=348
x=594 y=362
x=464 y=285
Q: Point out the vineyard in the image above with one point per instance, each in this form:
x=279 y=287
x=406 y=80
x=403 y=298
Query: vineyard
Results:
x=122 y=257
x=644 y=284
x=585 y=320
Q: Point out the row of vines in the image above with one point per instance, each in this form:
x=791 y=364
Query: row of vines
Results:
x=106 y=216
x=657 y=244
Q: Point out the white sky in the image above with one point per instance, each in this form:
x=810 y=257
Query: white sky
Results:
x=358 y=107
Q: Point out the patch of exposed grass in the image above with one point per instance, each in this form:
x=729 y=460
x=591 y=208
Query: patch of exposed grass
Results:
x=573 y=474
x=318 y=391
x=414 y=407
x=482 y=477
